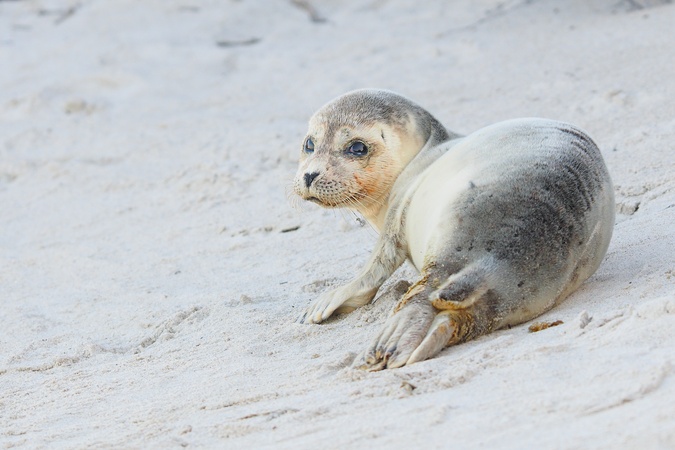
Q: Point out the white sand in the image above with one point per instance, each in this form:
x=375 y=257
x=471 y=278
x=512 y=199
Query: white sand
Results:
x=148 y=290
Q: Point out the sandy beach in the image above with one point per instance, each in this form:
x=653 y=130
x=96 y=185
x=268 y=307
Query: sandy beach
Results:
x=153 y=257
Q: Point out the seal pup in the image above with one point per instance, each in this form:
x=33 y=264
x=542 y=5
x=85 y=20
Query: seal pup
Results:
x=501 y=224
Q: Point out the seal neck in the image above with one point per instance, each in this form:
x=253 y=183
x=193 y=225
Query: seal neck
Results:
x=375 y=216
x=418 y=147
x=422 y=154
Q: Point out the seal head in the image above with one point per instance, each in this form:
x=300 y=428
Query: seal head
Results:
x=356 y=147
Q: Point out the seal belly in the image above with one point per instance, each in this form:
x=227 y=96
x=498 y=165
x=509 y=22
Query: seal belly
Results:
x=438 y=189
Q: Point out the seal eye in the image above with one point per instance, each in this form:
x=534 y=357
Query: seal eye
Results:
x=309 y=146
x=357 y=148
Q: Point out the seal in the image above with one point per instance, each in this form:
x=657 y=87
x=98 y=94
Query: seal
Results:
x=502 y=224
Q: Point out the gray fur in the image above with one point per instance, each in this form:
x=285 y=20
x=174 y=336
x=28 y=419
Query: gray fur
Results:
x=502 y=224
x=367 y=106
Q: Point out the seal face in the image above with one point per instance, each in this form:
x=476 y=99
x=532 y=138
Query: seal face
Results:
x=502 y=224
x=356 y=147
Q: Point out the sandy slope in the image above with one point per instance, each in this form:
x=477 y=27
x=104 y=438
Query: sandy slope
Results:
x=147 y=280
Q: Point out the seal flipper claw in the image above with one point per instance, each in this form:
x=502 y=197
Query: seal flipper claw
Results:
x=402 y=333
x=376 y=367
x=322 y=308
x=341 y=300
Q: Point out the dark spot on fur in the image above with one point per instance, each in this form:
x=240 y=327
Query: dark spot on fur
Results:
x=579 y=137
x=458 y=248
x=520 y=284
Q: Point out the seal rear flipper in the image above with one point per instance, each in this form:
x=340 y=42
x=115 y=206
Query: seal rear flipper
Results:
x=442 y=333
x=461 y=290
x=403 y=331
x=399 y=337
x=457 y=322
x=437 y=338
x=467 y=310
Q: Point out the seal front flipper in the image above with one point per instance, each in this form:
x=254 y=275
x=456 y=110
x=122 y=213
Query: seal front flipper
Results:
x=385 y=259
x=342 y=300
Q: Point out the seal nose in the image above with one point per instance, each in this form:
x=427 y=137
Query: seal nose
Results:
x=309 y=177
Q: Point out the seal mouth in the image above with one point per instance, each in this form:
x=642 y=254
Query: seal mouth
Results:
x=315 y=200
x=352 y=201
x=325 y=204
